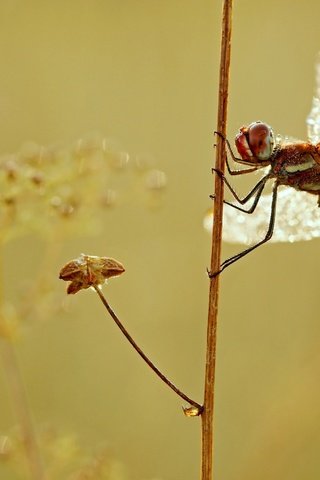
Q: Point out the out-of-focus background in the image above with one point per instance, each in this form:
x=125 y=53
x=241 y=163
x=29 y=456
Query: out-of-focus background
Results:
x=144 y=73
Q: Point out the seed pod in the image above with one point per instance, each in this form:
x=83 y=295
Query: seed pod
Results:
x=88 y=271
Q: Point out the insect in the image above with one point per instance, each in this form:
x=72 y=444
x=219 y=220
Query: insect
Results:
x=294 y=164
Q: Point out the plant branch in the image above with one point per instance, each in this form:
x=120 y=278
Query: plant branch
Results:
x=142 y=354
x=208 y=404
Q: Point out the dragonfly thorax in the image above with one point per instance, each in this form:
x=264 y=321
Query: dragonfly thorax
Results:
x=255 y=143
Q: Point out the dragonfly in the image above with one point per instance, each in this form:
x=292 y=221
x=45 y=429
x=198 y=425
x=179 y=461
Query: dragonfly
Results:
x=291 y=212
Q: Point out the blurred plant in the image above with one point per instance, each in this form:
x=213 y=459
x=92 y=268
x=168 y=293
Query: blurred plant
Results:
x=65 y=456
x=55 y=192
x=42 y=187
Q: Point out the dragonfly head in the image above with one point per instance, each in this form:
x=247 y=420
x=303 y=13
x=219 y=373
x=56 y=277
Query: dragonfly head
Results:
x=255 y=143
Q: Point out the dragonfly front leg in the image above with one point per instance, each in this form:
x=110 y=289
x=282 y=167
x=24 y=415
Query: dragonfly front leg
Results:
x=267 y=237
x=236 y=160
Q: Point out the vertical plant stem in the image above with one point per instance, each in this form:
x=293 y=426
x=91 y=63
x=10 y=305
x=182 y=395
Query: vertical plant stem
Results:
x=208 y=404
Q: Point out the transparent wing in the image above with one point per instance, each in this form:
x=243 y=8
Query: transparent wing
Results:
x=285 y=140
x=313 y=119
x=297 y=219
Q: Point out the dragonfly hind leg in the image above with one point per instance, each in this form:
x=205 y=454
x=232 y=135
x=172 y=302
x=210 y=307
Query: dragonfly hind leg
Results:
x=267 y=237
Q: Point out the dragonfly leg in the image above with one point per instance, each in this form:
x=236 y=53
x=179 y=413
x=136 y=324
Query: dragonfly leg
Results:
x=256 y=188
x=267 y=237
x=254 y=203
x=235 y=159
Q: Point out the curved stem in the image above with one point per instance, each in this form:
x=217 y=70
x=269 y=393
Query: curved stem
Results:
x=143 y=355
x=208 y=404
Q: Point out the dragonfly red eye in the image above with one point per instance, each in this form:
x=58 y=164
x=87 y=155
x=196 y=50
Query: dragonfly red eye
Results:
x=242 y=144
x=260 y=140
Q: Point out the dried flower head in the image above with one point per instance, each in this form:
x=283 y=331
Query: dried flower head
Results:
x=88 y=271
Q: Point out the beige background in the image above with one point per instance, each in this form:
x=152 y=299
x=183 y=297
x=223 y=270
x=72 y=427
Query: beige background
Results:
x=146 y=73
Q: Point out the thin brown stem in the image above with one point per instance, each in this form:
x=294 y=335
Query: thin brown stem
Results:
x=208 y=404
x=143 y=355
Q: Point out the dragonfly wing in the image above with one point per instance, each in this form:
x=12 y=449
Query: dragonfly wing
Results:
x=285 y=140
x=297 y=219
x=313 y=119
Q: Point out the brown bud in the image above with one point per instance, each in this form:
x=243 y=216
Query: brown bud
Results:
x=37 y=177
x=88 y=270
x=10 y=167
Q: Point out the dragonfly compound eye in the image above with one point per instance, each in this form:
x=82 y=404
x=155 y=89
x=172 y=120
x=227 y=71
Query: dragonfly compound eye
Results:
x=243 y=145
x=261 y=140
